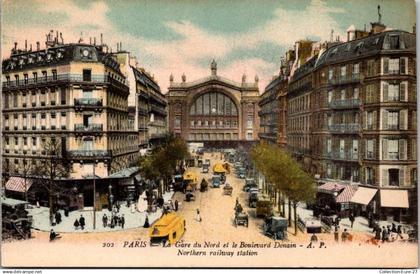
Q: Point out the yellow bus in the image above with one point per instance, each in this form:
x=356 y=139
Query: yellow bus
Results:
x=168 y=229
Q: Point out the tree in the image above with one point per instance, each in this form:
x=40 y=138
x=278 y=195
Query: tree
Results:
x=163 y=161
x=52 y=168
x=285 y=176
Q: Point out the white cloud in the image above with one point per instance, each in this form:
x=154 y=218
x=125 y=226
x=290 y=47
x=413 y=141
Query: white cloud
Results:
x=183 y=55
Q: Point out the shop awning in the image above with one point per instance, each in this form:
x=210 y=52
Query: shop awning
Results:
x=346 y=195
x=18 y=184
x=363 y=195
x=394 y=198
x=138 y=177
x=331 y=187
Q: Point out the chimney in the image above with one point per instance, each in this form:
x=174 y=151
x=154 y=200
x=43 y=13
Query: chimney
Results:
x=37 y=45
x=26 y=45
x=90 y=40
x=102 y=42
x=62 y=39
x=121 y=46
x=94 y=41
x=30 y=47
x=15 y=46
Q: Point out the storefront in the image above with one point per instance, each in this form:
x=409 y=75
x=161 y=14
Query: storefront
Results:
x=394 y=205
x=363 y=202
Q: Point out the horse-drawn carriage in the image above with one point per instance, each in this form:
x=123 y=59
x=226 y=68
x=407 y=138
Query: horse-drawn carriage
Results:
x=241 y=217
x=16 y=221
x=227 y=189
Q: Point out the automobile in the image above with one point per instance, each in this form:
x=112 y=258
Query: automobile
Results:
x=207 y=162
x=253 y=197
x=178 y=182
x=249 y=183
x=189 y=196
x=241 y=218
x=241 y=172
x=313 y=226
x=205 y=169
x=215 y=180
x=227 y=189
x=168 y=229
x=16 y=221
x=275 y=228
x=264 y=207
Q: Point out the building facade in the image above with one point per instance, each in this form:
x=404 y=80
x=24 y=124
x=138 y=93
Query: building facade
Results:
x=352 y=120
x=75 y=94
x=214 y=109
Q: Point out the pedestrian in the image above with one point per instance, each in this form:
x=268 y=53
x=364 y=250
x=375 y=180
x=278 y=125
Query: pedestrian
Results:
x=66 y=211
x=399 y=231
x=105 y=220
x=384 y=234
x=58 y=217
x=37 y=204
x=115 y=220
x=351 y=219
x=198 y=217
x=82 y=222
x=336 y=233
x=76 y=224
x=378 y=232
x=146 y=222
x=52 y=219
x=394 y=228
x=344 y=235
x=119 y=221
x=122 y=221
x=314 y=238
x=54 y=235
x=176 y=205
x=112 y=222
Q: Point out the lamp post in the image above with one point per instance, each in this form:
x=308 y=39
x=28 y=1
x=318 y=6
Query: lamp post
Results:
x=94 y=196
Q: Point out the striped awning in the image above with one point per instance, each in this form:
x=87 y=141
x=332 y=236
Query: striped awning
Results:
x=331 y=187
x=346 y=195
x=18 y=184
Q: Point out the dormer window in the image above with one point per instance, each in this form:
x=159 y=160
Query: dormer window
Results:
x=8 y=80
x=49 y=56
x=25 y=76
x=59 y=55
x=35 y=74
x=21 y=61
x=30 y=60
x=39 y=58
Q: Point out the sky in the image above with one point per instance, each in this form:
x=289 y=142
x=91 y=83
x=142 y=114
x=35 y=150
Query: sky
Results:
x=180 y=36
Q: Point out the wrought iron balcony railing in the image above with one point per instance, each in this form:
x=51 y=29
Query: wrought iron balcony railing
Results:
x=344 y=128
x=88 y=128
x=347 y=103
x=89 y=102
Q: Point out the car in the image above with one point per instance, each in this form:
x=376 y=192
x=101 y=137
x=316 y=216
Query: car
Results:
x=252 y=199
x=275 y=228
x=216 y=181
x=205 y=169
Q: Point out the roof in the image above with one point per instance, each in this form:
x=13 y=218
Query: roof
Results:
x=368 y=46
x=214 y=79
x=12 y=202
x=346 y=195
x=18 y=184
x=305 y=69
x=60 y=54
x=125 y=173
x=145 y=80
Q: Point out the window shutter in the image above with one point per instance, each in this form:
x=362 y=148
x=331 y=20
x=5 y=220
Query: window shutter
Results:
x=401 y=179
x=385 y=65
x=402 y=149
x=374 y=149
x=366 y=148
x=403 y=91
x=385 y=181
x=403 y=62
x=385 y=91
x=403 y=119
x=414 y=149
x=374 y=120
x=384 y=149
x=384 y=119
x=365 y=120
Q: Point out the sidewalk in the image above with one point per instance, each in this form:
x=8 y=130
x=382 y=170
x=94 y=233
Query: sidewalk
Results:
x=132 y=220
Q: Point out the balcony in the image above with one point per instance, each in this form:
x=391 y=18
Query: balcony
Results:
x=88 y=129
x=354 y=78
x=143 y=111
x=343 y=104
x=342 y=156
x=88 y=102
x=352 y=128
x=64 y=78
x=89 y=154
x=159 y=110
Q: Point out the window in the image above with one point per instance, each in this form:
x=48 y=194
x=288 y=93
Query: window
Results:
x=53 y=120
x=356 y=93
x=42 y=98
x=25 y=77
x=343 y=94
x=177 y=122
x=370 y=149
x=392 y=149
x=25 y=122
x=414 y=176
x=6 y=100
x=34 y=142
x=413 y=149
x=192 y=123
x=248 y=136
x=35 y=77
x=393 y=119
x=25 y=141
x=330 y=96
x=8 y=80
x=54 y=74
x=87 y=75
x=15 y=100
x=53 y=96
x=343 y=71
x=370 y=176
x=391 y=92
x=394 y=177
x=329 y=170
x=371 y=93
x=329 y=142
x=45 y=76
x=355 y=150
x=43 y=122
x=63 y=96
x=17 y=79
x=33 y=121
x=330 y=74
x=356 y=70
x=342 y=149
